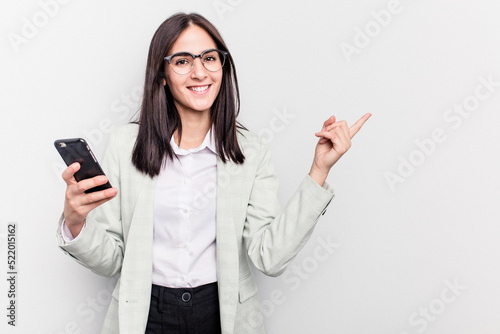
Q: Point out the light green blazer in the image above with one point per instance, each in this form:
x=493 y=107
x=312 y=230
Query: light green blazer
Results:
x=250 y=225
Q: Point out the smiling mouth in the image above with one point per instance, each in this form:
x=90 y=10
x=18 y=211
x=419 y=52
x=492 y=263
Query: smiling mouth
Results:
x=199 y=88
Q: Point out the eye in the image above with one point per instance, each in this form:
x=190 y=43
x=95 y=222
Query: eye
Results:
x=211 y=57
x=181 y=62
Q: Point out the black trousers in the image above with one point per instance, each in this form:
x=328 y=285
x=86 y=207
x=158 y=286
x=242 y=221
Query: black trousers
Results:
x=184 y=310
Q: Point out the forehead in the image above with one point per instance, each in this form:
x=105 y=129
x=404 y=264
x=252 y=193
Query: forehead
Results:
x=195 y=40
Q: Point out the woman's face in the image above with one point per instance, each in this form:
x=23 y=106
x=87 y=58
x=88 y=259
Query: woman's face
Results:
x=197 y=90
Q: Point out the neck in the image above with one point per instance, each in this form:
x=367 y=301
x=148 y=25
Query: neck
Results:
x=195 y=126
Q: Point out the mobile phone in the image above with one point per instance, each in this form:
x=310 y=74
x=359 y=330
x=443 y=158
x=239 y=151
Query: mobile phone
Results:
x=77 y=150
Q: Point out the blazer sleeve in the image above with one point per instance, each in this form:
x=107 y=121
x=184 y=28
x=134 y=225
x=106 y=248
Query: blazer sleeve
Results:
x=273 y=236
x=100 y=245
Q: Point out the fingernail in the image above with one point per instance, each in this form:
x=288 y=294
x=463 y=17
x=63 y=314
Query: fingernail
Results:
x=103 y=178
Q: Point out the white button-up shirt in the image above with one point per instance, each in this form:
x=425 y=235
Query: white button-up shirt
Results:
x=184 y=251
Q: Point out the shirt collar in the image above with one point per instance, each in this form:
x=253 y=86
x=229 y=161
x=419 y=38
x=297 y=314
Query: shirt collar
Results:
x=208 y=142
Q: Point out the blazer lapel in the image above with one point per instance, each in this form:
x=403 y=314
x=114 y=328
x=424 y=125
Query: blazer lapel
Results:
x=227 y=250
x=136 y=278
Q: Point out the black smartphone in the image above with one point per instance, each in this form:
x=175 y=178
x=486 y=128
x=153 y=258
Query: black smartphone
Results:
x=77 y=150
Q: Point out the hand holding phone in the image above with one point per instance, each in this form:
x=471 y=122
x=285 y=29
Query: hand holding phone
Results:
x=87 y=186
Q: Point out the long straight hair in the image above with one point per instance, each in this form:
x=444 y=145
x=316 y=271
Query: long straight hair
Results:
x=159 y=117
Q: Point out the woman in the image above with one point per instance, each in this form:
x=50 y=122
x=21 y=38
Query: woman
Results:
x=196 y=197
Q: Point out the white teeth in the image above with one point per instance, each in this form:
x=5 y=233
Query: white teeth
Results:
x=199 y=89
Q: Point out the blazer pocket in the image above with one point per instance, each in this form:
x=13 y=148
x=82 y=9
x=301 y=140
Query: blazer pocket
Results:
x=247 y=289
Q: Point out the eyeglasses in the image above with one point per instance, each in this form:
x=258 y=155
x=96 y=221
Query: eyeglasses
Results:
x=183 y=62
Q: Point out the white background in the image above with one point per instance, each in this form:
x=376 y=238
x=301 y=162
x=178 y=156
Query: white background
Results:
x=399 y=246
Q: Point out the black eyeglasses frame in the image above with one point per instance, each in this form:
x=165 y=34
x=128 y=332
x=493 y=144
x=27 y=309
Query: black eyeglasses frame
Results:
x=224 y=53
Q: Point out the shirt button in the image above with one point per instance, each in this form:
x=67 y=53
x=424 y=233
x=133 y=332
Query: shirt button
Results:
x=184 y=211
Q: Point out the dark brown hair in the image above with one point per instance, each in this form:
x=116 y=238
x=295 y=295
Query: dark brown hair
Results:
x=159 y=117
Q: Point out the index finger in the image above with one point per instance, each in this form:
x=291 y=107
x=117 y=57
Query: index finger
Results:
x=357 y=126
x=68 y=174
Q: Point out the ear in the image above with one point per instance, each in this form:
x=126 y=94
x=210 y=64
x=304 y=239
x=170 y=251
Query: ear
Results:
x=164 y=82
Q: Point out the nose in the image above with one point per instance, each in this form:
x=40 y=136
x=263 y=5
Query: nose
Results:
x=199 y=71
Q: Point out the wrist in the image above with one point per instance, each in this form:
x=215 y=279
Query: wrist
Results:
x=318 y=175
x=75 y=228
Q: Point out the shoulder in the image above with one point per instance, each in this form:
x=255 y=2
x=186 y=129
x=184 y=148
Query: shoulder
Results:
x=246 y=138
x=121 y=140
x=123 y=136
x=126 y=131
x=254 y=146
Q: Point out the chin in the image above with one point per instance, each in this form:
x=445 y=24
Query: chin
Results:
x=202 y=107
